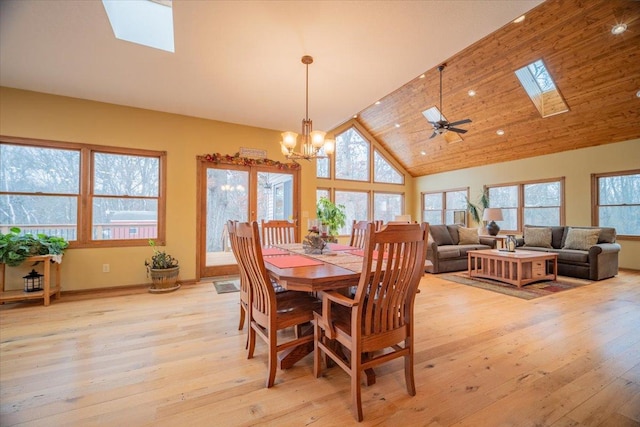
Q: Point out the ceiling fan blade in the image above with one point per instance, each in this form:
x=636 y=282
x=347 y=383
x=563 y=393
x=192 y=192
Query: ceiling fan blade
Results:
x=433 y=134
x=460 y=122
x=458 y=130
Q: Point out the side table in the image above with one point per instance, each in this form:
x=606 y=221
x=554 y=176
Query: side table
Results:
x=500 y=239
x=45 y=294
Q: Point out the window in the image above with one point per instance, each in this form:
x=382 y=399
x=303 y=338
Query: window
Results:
x=322 y=192
x=352 y=156
x=383 y=171
x=530 y=203
x=42 y=192
x=356 y=205
x=387 y=205
x=445 y=207
x=617 y=201
x=323 y=166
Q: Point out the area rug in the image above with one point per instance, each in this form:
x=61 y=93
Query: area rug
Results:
x=534 y=290
x=226 y=286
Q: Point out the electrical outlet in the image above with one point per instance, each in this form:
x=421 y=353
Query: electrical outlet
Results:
x=105 y=268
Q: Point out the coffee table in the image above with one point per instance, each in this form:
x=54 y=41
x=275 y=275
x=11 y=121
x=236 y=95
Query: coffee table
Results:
x=517 y=268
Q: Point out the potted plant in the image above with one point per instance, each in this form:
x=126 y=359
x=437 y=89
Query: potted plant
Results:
x=476 y=210
x=16 y=247
x=163 y=270
x=331 y=215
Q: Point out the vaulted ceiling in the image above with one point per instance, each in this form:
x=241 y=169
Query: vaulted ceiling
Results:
x=240 y=62
x=597 y=73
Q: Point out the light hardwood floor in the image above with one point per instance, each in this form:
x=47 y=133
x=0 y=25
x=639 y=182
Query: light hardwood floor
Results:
x=177 y=359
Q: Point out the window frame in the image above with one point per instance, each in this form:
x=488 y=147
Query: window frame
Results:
x=520 y=204
x=595 y=199
x=85 y=196
x=443 y=211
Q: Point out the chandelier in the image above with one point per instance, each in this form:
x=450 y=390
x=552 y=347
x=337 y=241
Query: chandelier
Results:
x=312 y=140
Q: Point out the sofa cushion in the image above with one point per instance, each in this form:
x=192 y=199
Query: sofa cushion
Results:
x=447 y=252
x=440 y=235
x=581 y=238
x=537 y=236
x=468 y=236
x=573 y=256
x=557 y=234
x=466 y=248
x=453 y=230
x=607 y=235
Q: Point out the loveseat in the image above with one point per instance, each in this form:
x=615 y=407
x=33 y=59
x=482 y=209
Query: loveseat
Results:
x=449 y=244
x=583 y=252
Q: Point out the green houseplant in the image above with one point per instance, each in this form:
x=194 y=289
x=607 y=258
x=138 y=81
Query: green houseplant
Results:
x=476 y=210
x=16 y=247
x=163 y=270
x=331 y=215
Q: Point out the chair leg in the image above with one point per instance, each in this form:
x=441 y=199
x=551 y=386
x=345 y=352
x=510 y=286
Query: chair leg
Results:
x=273 y=358
x=252 y=341
x=408 y=371
x=317 y=361
x=356 y=399
x=241 y=324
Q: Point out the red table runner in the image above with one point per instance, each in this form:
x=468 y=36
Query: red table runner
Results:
x=291 y=261
x=273 y=251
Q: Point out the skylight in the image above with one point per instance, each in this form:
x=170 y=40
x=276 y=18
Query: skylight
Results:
x=541 y=88
x=145 y=22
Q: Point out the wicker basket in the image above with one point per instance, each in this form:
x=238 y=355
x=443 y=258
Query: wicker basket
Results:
x=164 y=279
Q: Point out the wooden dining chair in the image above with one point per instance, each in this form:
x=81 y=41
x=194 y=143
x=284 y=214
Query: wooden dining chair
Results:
x=376 y=325
x=277 y=232
x=269 y=311
x=358 y=231
x=244 y=284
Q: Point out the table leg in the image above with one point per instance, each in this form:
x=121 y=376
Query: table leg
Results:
x=47 y=281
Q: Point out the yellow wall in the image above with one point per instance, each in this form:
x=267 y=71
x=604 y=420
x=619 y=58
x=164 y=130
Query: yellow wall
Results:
x=576 y=166
x=41 y=116
x=36 y=115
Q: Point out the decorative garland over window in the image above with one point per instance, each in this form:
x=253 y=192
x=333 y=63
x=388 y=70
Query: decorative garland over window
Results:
x=227 y=159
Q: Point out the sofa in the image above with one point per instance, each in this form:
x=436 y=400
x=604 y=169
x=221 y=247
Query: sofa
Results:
x=583 y=252
x=448 y=247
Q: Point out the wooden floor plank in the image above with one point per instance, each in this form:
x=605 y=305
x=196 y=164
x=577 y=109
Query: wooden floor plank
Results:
x=482 y=358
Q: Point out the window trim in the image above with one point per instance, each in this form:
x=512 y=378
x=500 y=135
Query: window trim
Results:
x=595 y=199
x=443 y=211
x=520 y=206
x=85 y=195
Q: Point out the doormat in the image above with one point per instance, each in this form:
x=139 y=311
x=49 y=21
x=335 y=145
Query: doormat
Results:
x=226 y=286
x=531 y=291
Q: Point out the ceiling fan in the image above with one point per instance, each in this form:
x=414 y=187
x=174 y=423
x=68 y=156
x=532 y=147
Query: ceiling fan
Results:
x=442 y=126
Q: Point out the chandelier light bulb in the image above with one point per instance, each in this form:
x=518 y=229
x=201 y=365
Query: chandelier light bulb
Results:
x=289 y=139
x=317 y=138
x=329 y=146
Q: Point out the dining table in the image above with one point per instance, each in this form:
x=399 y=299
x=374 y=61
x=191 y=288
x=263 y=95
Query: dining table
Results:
x=338 y=267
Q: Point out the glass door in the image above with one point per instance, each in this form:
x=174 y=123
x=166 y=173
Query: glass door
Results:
x=242 y=193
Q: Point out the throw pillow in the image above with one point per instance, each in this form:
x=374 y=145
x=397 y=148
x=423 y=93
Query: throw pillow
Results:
x=440 y=235
x=581 y=238
x=537 y=236
x=468 y=236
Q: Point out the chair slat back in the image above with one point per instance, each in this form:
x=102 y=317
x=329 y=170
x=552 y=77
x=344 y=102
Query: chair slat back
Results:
x=244 y=286
x=262 y=295
x=277 y=232
x=396 y=256
x=358 y=233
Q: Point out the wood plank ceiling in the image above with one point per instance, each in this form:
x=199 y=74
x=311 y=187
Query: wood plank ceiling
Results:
x=597 y=73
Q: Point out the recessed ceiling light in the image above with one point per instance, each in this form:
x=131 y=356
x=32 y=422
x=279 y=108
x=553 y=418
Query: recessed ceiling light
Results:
x=619 y=29
x=638 y=94
x=422 y=76
x=500 y=132
x=472 y=92
x=397 y=125
x=355 y=116
x=423 y=153
x=519 y=19
x=377 y=102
